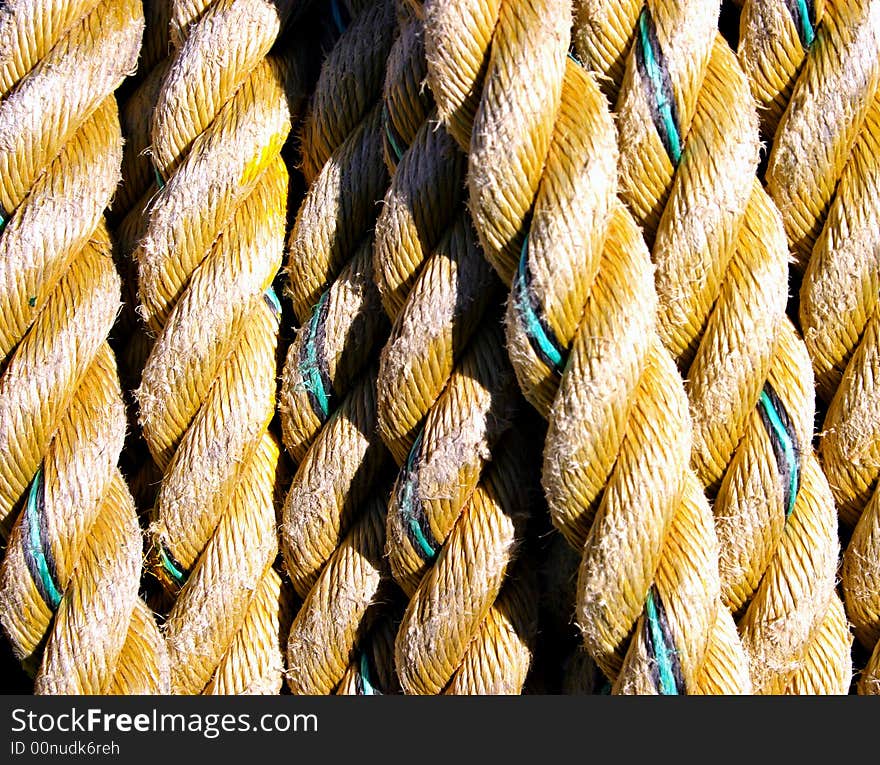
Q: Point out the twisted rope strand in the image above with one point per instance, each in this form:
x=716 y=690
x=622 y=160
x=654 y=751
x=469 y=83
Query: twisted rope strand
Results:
x=333 y=518
x=70 y=577
x=541 y=177
x=207 y=393
x=720 y=252
x=441 y=643
x=445 y=398
x=822 y=76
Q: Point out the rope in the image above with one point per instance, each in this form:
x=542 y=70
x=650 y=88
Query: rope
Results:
x=445 y=399
x=131 y=339
x=69 y=581
x=724 y=668
x=371 y=672
x=823 y=80
x=216 y=228
x=333 y=527
x=687 y=172
x=542 y=191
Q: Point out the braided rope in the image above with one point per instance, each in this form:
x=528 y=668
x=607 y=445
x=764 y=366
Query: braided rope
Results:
x=817 y=68
x=216 y=227
x=582 y=338
x=69 y=580
x=445 y=398
x=334 y=514
x=687 y=172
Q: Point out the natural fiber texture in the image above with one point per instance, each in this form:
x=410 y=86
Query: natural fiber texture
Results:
x=333 y=526
x=724 y=668
x=70 y=577
x=212 y=242
x=446 y=395
x=688 y=136
x=581 y=334
x=131 y=339
x=821 y=77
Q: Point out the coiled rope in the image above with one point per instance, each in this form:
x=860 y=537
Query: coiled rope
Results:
x=216 y=228
x=446 y=396
x=688 y=138
x=816 y=68
x=581 y=335
x=334 y=514
x=69 y=580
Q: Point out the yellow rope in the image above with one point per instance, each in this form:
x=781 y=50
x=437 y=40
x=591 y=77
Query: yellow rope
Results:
x=333 y=526
x=542 y=180
x=131 y=339
x=70 y=577
x=476 y=225
x=445 y=397
x=212 y=242
x=819 y=77
x=687 y=171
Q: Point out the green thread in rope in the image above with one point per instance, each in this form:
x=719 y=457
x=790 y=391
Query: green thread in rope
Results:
x=662 y=652
x=309 y=368
x=170 y=565
x=35 y=543
x=337 y=16
x=788 y=447
x=427 y=549
x=272 y=300
x=159 y=182
x=664 y=105
x=386 y=122
x=806 y=30
x=547 y=347
x=368 y=688
x=799 y=10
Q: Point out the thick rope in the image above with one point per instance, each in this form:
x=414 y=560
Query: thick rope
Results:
x=542 y=191
x=832 y=80
x=131 y=340
x=371 y=671
x=687 y=172
x=446 y=395
x=820 y=75
x=333 y=526
x=216 y=228
x=70 y=577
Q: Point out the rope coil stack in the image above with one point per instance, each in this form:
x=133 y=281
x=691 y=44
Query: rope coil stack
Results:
x=70 y=576
x=334 y=513
x=216 y=228
x=533 y=252
x=816 y=69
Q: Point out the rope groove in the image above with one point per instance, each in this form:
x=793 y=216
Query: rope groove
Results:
x=70 y=576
